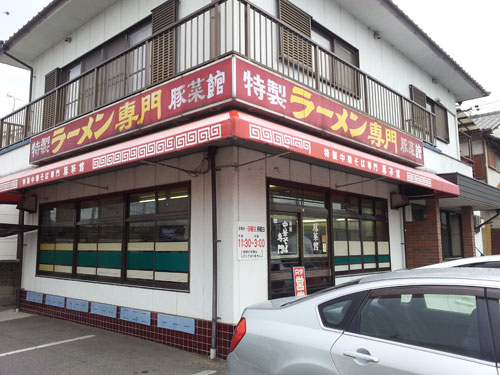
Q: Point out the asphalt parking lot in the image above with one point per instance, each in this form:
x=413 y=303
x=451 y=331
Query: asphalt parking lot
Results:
x=31 y=344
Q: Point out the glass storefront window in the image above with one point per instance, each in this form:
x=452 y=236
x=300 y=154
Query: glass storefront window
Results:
x=142 y=204
x=284 y=238
x=156 y=245
x=296 y=197
x=89 y=210
x=172 y=201
x=315 y=237
x=361 y=243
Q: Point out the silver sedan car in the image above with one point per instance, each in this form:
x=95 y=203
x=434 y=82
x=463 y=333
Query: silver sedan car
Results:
x=425 y=321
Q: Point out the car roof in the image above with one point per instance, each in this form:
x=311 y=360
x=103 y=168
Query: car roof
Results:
x=481 y=274
x=465 y=261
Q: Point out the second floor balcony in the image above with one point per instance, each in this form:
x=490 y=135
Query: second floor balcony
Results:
x=225 y=27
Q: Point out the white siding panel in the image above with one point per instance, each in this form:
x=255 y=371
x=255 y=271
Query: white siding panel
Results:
x=97 y=30
x=129 y=13
x=83 y=39
x=113 y=20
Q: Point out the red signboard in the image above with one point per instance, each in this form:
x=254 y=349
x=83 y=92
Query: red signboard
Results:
x=260 y=87
x=196 y=90
x=299 y=281
x=266 y=132
x=230 y=125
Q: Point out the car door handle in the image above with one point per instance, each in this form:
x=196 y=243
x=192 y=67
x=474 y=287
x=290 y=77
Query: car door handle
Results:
x=361 y=356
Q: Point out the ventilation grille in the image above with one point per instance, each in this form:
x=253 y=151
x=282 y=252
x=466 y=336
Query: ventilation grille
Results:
x=418 y=96
x=51 y=82
x=163 y=64
x=419 y=114
x=164 y=15
x=294 y=47
x=295 y=18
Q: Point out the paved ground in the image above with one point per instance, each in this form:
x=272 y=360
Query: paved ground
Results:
x=69 y=348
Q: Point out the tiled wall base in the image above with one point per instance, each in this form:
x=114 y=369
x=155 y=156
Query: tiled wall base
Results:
x=198 y=343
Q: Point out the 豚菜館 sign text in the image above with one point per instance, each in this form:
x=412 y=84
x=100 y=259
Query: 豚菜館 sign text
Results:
x=193 y=91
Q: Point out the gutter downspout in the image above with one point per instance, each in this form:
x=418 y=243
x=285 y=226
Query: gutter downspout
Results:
x=20 y=254
x=27 y=66
x=212 y=151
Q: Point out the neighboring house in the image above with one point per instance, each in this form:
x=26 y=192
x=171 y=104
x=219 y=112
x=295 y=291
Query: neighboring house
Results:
x=181 y=157
x=480 y=146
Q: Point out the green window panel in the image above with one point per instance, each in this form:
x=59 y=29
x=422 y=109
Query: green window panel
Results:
x=47 y=256
x=140 y=260
x=341 y=260
x=64 y=258
x=173 y=262
x=87 y=258
x=109 y=259
x=353 y=260
x=370 y=258
x=384 y=258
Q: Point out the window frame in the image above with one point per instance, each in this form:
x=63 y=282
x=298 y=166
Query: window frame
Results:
x=334 y=40
x=485 y=333
x=302 y=211
x=431 y=104
x=347 y=215
x=123 y=220
x=449 y=237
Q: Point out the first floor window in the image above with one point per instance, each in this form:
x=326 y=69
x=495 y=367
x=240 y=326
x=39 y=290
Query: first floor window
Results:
x=301 y=222
x=139 y=238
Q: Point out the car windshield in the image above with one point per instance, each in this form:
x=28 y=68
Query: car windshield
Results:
x=321 y=292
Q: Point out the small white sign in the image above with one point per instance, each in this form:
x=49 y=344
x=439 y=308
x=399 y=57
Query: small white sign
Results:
x=252 y=241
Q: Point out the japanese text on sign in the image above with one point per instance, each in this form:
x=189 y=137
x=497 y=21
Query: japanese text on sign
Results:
x=194 y=90
x=299 y=281
x=252 y=241
x=278 y=94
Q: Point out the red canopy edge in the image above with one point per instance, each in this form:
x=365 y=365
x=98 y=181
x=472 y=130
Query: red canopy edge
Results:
x=233 y=124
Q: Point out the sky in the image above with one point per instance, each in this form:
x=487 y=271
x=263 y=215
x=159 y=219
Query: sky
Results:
x=467 y=30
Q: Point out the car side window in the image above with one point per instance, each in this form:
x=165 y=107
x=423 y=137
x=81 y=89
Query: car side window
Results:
x=338 y=312
x=442 y=321
x=483 y=265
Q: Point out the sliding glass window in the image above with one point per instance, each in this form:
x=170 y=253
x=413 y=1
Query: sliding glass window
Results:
x=138 y=238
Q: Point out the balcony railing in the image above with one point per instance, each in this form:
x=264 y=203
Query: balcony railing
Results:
x=217 y=30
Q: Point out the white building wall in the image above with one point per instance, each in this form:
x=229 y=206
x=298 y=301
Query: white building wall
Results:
x=196 y=303
x=241 y=196
x=436 y=162
x=11 y=162
x=8 y=245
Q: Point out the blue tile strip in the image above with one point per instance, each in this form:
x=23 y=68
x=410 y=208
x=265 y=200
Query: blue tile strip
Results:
x=34 y=297
x=135 y=316
x=77 y=305
x=54 y=301
x=102 y=309
x=176 y=323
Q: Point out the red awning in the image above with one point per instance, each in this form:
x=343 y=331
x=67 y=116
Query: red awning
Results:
x=10 y=198
x=229 y=125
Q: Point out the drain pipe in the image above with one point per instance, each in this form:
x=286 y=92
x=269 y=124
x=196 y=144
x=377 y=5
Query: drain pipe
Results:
x=212 y=151
x=20 y=254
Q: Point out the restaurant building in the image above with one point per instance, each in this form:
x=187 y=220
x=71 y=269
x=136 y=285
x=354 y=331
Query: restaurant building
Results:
x=178 y=158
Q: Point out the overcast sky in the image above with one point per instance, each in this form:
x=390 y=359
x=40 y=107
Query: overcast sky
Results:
x=467 y=30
